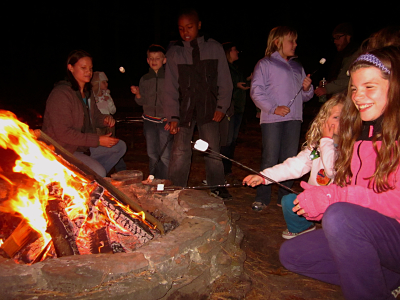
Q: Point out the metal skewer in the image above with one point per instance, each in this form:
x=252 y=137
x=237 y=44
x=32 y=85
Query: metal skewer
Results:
x=202 y=146
x=322 y=61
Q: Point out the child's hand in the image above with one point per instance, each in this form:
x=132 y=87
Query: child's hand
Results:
x=135 y=90
x=240 y=85
x=109 y=121
x=252 y=180
x=173 y=127
x=307 y=83
x=167 y=126
x=328 y=131
x=282 y=110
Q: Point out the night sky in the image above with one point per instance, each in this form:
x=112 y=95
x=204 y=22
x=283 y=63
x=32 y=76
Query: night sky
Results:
x=38 y=36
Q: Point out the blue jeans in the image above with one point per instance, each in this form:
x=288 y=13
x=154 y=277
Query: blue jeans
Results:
x=280 y=141
x=181 y=156
x=228 y=150
x=108 y=157
x=156 y=139
x=358 y=249
x=294 y=222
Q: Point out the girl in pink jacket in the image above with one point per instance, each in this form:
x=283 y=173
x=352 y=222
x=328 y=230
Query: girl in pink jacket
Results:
x=358 y=247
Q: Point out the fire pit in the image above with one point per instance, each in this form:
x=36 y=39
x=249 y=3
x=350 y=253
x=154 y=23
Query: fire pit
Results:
x=184 y=262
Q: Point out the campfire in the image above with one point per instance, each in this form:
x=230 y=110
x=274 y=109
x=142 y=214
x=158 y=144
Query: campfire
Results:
x=61 y=207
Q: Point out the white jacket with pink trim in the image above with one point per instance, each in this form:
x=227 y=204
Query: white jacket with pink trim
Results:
x=315 y=200
x=322 y=168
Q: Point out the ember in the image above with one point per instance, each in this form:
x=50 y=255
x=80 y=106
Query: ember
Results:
x=61 y=211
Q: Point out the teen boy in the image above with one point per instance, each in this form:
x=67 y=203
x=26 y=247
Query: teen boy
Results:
x=198 y=90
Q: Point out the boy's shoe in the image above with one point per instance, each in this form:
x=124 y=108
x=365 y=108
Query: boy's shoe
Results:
x=221 y=193
x=396 y=292
x=286 y=234
x=258 y=206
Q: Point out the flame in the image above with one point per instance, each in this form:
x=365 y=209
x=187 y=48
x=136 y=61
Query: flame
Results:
x=1 y=242
x=39 y=163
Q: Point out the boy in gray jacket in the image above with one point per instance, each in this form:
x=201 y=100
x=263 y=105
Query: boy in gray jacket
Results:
x=155 y=127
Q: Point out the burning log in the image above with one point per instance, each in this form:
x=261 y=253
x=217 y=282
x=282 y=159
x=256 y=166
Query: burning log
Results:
x=73 y=163
x=60 y=229
x=134 y=225
x=99 y=242
x=21 y=236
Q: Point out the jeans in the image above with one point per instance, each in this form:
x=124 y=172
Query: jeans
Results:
x=228 y=150
x=108 y=157
x=156 y=139
x=181 y=156
x=280 y=141
x=294 y=222
x=358 y=249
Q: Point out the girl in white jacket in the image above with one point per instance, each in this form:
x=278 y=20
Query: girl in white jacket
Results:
x=317 y=157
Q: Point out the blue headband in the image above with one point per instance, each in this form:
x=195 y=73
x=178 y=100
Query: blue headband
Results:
x=374 y=60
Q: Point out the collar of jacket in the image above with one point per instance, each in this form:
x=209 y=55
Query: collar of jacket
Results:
x=276 y=55
x=159 y=74
x=375 y=126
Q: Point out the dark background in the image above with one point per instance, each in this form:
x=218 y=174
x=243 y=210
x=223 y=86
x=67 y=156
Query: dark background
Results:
x=38 y=36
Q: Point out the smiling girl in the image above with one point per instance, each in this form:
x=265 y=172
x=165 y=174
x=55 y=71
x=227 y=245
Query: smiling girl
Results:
x=358 y=247
x=276 y=80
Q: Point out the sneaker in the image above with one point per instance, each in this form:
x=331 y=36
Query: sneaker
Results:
x=258 y=206
x=396 y=292
x=286 y=234
x=221 y=193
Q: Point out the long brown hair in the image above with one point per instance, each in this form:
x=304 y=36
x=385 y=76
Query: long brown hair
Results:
x=388 y=155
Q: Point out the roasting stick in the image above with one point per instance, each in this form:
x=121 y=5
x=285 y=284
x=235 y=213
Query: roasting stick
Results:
x=202 y=146
x=322 y=61
x=161 y=188
x=76 y=165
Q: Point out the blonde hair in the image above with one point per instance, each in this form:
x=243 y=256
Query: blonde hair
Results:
x=314 y=133
x=278 y=33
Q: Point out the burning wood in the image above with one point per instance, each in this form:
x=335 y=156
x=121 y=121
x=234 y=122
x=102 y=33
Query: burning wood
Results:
x=60 y=229
x=68 y=204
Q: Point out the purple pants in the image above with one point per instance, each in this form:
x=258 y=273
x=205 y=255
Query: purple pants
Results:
x=358 y=249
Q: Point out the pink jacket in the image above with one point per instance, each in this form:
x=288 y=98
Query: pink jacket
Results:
x=315 y=200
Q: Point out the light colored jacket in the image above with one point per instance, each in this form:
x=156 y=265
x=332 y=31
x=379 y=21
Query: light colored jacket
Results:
x=275 y=82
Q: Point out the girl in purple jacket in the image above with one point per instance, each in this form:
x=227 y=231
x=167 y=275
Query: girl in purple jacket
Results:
x=277 y=78
x=358 y=247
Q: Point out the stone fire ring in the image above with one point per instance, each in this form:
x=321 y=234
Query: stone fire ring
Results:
x=181 y=264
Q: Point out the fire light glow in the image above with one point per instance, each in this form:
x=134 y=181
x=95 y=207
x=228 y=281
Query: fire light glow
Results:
x=39 y=163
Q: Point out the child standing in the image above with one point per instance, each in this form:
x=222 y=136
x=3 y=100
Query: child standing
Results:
x=198 y=90
x=318 y=157
x=149 y=94
x=277 y=78
x=358 y=245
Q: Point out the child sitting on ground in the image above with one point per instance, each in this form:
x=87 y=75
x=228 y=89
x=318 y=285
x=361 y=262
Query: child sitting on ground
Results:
x=155 y=127
x=318 y=157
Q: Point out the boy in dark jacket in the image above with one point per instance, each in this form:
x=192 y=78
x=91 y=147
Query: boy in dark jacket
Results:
x=149 y=94
x=198 y=90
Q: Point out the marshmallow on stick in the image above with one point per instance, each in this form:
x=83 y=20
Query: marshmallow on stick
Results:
x=202 y=146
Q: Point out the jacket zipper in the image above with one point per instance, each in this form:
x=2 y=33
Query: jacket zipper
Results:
x=359 y=158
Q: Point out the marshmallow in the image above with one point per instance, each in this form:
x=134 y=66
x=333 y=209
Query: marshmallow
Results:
x=322 y=61
x=122 y=69
x=150 y=178
x=201 y=145
x=160 y=187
